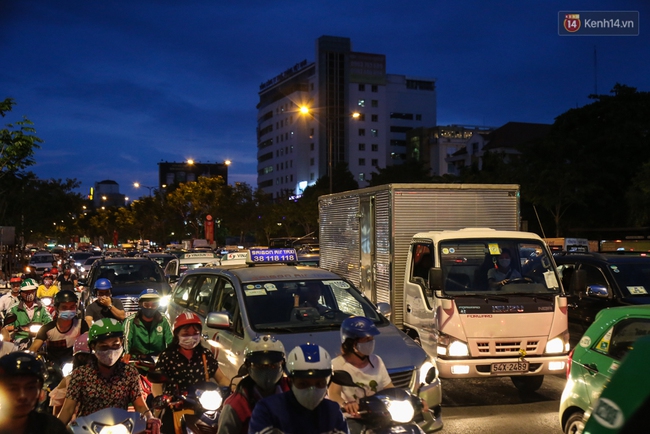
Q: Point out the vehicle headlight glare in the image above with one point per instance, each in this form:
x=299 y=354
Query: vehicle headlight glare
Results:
x=400 y=411
x=210 y=400
x=164 y=301
x=46 y=301
x=66 y=369
x=458 y=349
x=555 y=345
x=426 y=373
x=34 y=328
x=115 y=429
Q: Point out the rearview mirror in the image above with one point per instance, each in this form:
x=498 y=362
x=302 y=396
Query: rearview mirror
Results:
x=218 y=320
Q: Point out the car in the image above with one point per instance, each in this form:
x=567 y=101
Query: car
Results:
x=595 y=359
x=188 y=261
x=161 y=258
x=129 y=278
x=239 y=302
x=621 y=408
x=84 y=268
x=595 y=281
x=39 y=262
x=80 y=257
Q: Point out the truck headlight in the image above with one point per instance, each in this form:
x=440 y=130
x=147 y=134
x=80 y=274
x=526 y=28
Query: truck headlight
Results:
x=555 y=346
x=458 y=349
x=428 y=372
x=449 y=346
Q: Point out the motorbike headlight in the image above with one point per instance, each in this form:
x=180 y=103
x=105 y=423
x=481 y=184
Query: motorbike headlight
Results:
x=116 y=429
x=46 y=301
x=164 y=301
x=427 y=372
x=34 y=328
x=72 y=271
x=209 y=399
x=28 y=270
x=66 y=369
x=555 y=346
x=400 y=411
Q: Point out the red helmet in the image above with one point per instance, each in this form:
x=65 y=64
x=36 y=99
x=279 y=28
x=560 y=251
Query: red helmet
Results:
x=186 y=318
x=47 y=274
x=54 y=270
x=15 y=279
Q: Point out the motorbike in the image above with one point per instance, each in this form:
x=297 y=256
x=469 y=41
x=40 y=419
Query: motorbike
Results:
x=388 y=411
x=110 y=420
x=23 y=342
x=48 y=302
x=195 y=411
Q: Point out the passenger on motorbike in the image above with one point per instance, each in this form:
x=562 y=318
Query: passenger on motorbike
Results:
x=28 y=311
x=105 y=306
x=21 y=382
x=303 y=409
x=48 y=288
x=11 y=298
x=67 y=280
x=61 y=334
x=264 y=361
x=107 y=383
x=81 y=356
x=148 y=332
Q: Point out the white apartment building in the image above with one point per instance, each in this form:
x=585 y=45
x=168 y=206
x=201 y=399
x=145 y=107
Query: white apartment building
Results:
x=357 y=114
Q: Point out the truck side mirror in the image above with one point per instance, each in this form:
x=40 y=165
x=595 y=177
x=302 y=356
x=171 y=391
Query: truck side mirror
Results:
x=435 y=279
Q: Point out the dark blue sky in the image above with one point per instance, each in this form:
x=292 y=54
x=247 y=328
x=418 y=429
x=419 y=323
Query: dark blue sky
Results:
x=115 y=87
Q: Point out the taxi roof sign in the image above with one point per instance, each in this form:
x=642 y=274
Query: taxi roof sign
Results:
x=198 y=255
x=272 y=256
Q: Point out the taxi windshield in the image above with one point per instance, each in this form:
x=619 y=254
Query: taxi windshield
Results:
x=291 y=305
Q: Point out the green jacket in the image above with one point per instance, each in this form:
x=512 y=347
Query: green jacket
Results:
x=138 y=340
x=22 y=319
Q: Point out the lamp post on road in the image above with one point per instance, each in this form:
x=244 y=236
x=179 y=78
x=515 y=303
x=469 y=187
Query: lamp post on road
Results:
x=138 y=185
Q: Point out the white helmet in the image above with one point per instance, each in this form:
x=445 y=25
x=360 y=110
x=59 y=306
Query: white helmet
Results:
x=309 y=361
x=264 y=349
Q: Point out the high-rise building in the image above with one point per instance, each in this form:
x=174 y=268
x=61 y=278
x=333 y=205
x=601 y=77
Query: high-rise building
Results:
x=353 y=112
x=105 y=194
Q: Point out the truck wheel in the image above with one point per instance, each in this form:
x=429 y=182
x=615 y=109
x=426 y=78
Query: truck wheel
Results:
x=575 y=424
x=528 y=384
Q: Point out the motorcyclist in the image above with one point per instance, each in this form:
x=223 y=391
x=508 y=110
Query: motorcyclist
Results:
x=303 y=409
x=28 y=311
x=21 y=382
x=48 y=288
x=107 y=383
x=264 y=360
x=104 y=306
x=67 y=280
x=366 y=369
x=61 y=333
x=11 y=298
x=148 y=332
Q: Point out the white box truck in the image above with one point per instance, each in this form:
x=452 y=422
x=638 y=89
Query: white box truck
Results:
x=424 y=253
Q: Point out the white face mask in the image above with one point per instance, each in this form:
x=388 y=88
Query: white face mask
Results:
x=505 y=263
x=108 y=357
x=366 y=348
x=309 y=397
x=189 y=342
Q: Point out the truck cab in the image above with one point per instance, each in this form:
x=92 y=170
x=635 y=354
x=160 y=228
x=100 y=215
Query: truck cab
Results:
x=480 y=320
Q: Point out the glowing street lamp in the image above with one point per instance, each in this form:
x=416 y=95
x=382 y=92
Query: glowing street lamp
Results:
x=138 y=185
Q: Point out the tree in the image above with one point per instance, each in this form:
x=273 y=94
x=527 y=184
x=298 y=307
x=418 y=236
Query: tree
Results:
x=407 y=172
x=192 y=201
x=17 y=142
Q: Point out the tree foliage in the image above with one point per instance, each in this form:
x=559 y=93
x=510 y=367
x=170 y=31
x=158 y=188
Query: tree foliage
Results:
x=17 y=142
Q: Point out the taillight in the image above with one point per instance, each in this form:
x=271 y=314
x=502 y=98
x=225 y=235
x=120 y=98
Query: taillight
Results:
x=569 y=363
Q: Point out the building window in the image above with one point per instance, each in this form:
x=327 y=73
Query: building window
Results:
x=311 y=161
x=373 y=88
x=362 y=176
x=362 y=103
x=311 y=133
x=374 y=118
x=362 y=161
x=374 y=147
x=375 y=103
x=290 y=178
x=361 y=117
x=374 y=132
x=362 y=88
x=362 y=146
x=311 y=176
x=362 y=131
x=418 y=117
x=375 y=162
x=311 y=86
x=311 y=146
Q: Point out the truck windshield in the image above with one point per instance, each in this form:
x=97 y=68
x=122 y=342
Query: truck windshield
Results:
x=497 y=266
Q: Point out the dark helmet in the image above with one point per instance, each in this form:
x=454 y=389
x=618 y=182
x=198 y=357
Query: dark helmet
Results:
x=65 y=296
x=20 y=363
x=357 y=327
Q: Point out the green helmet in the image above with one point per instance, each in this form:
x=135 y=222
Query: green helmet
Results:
x=105 y=328
x=28 y=285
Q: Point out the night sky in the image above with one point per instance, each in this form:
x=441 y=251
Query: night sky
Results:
x=115 y=87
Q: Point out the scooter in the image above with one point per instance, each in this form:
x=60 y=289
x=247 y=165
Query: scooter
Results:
x=110 y=420
x=48 y=302
x=388 y=411
x=31 y=329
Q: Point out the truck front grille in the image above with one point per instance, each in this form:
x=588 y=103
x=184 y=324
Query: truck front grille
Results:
x=504 y=347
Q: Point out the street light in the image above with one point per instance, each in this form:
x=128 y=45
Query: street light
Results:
x=330 y=134
x=138 y=185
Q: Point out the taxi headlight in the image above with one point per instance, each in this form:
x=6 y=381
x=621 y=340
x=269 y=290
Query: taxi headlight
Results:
x=400 y=411
x=555 y=346
x=458 y=349
x=428 y=372
x=164 y=301
x=210 y=399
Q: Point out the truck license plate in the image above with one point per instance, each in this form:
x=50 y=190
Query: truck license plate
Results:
x=510 y=367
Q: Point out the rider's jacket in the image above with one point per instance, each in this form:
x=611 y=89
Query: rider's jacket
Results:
x=141 y=338
x=40 y=315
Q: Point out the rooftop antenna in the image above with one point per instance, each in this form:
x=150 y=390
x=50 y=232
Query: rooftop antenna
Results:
x=540 y=222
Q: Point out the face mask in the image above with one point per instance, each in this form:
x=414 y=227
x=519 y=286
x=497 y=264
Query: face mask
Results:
x=189 y=342
x=67 y=314
x=309 y=397
x=366 y=348
x=505 y=263
x=29 y=297
x=108 y=357
x=265 y=379
x=47 y=283
x=148 y=312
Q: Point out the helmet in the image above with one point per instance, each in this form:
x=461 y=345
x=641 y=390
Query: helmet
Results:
x=65 y=296
x=20 y=363
x=357 y=327
x=103 y=284
x=81 y=344
x=264 y=350
x=54 y=271
x=186 y=318
x=28 y=285
x=309 y=361
x=47 y=274
x=15 y=279
x=149 y=294
x=105 y=328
